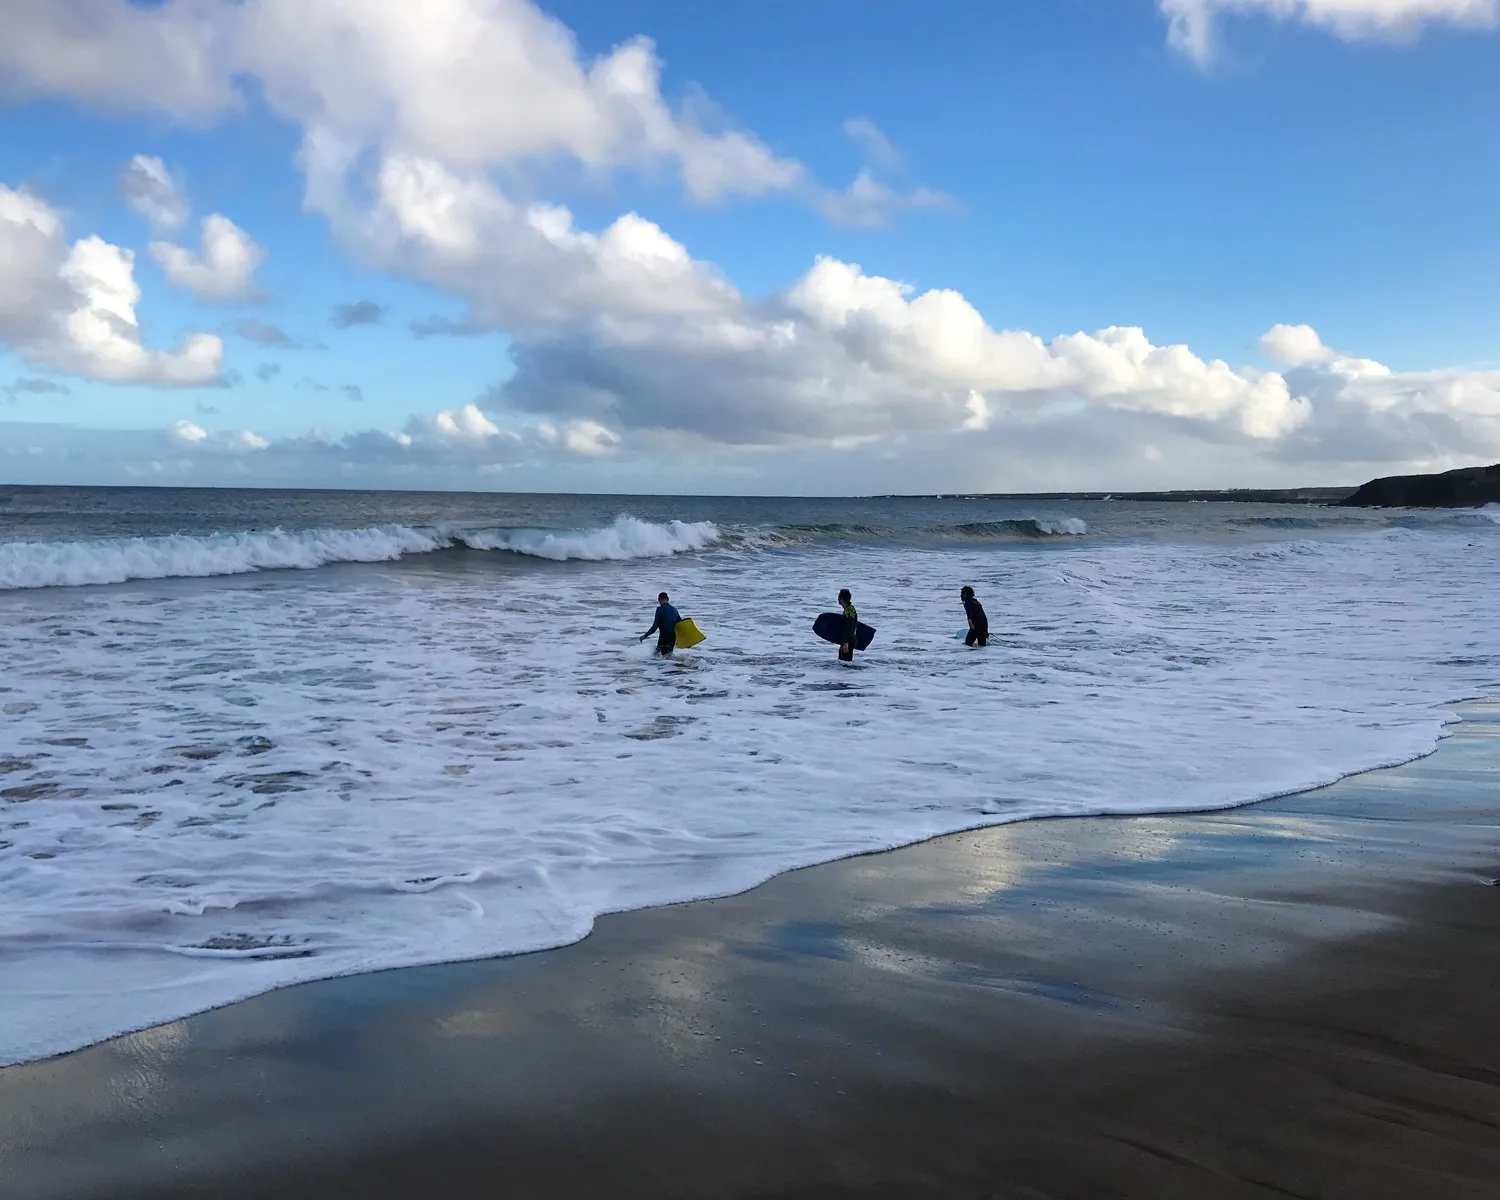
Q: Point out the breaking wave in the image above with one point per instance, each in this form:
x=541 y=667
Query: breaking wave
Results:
x=626 y=538
x=118 y=560
x=1026 y=527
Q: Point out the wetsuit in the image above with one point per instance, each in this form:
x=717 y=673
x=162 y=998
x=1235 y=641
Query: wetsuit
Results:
x=979 y=624
x=851 y=631
x=665 y=628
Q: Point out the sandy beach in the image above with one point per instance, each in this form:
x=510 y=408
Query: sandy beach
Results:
x=1291 y=999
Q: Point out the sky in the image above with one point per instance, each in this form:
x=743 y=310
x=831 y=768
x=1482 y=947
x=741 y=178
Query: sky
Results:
x=826 y=247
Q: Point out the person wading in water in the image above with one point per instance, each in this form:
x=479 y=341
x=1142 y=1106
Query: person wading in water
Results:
x=851 y=626
x=979 y=624
x=665 y=626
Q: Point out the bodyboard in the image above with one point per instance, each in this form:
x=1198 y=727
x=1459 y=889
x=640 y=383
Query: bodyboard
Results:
x=830 y=627
x=688 y=634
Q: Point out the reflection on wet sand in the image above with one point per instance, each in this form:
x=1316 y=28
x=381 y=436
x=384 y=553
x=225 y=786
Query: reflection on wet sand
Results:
x=881 y=1018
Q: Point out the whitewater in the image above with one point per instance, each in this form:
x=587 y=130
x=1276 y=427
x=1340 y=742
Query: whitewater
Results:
x=237 y=760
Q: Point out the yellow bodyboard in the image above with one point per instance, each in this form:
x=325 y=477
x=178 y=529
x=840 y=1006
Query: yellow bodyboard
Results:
x=688 y=634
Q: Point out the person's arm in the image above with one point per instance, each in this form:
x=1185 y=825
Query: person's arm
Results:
x=655 y=625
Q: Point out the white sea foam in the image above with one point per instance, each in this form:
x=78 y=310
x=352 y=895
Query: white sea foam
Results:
x=116 y=560
x=205 y=794
x=625 y=539
x=1070 y=526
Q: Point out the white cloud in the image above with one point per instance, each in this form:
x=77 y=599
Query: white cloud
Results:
x=1363 y=411
x=188 y=433
x=869 y=203
x=222 y=271
x=466 y=82
x=149 y=188
x=1294 y=345
x=412 y=114
x=160 y=59
x=73 y=308
x=1193 y=24
x=873 y=143
x=465 y=438
x=843 y=354
x=524 y=267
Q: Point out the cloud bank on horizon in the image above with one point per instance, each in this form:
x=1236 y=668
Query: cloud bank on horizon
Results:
x=427 y=138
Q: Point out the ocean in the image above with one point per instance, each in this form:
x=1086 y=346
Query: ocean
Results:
x=253 y=738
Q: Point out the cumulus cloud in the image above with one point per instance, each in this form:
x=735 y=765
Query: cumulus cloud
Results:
x=73 y=307
x=222 y=271
x=525 y=266
x=358 y=312
x=353 y=392
x=267 y=371
x=1294 y=345
x=1193 y=24
x=149 y=188
x=411 y=117
x=237 y=441
x=1363 y=411
x=842 y=354
x=467 y=82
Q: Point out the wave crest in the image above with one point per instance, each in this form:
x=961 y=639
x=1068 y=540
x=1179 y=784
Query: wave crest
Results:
x=1024 y=527
x=118 y=560
x=628 y=537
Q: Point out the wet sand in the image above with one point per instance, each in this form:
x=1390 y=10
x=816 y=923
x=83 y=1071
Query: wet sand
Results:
x=1293 y=999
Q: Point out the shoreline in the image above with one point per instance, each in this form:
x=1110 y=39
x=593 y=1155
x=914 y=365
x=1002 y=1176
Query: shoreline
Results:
x=867 y=1026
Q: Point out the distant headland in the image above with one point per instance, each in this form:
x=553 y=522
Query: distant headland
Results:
x=1466 y=487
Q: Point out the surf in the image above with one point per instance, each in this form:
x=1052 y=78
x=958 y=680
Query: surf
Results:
x=107 y=561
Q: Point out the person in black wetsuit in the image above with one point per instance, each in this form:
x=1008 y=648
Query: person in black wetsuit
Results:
x=851 y=626
x=665 y=626
x=979 y=624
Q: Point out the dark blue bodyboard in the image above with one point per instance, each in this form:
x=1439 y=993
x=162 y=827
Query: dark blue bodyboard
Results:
x=830 y=627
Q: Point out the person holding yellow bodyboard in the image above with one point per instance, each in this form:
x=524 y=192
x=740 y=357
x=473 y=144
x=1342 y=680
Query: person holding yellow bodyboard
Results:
x=670 y=628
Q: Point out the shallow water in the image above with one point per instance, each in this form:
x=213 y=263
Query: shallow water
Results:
x=213 y=786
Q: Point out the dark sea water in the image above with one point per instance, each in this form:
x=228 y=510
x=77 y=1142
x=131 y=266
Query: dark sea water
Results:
x=251 y=737
x=45 y=516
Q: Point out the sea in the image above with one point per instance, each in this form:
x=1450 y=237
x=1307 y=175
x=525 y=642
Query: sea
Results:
x=253 y=738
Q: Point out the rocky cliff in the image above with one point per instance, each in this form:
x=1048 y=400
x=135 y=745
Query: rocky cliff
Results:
x=1467 y=487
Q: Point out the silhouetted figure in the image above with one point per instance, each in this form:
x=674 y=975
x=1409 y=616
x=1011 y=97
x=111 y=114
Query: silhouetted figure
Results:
x=665 y=626
x=979 y=624
x=851 y=626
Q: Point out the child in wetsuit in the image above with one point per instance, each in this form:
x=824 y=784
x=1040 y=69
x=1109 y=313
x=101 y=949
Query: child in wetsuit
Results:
x=851 y=626
x=979 y=624
x=665 y=626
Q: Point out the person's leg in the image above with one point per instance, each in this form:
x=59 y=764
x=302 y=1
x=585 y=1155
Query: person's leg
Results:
x=666 y=643
x=846 y=653
x=970 y=638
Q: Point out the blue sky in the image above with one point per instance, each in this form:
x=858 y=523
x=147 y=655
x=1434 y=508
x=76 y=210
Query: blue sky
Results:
x=875 y=246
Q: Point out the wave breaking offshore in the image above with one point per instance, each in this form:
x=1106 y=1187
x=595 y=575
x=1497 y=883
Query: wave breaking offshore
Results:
x=102 y=561
x=188 y=556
